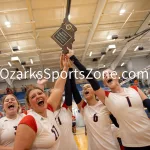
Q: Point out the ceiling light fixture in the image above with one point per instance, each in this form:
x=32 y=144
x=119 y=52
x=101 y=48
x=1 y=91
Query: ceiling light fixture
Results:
x=114 y=37
x=23 y=67
x=69 y=17
x=136 y=48
x=114 y=51
x=90 y=54
x=8 y=26
x=122 y=64
x=18 y=47
x=122 y=11
x=113 y=46
x=7 y=23
x=9 y=64
x=15 y=58
x=109 y=37
x=31 y=61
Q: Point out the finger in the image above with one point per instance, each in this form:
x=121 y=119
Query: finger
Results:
x=61 y=60
x=68 y=63
x=63 y=57
x=66 y=60
x=68 y=48
x=66 y=56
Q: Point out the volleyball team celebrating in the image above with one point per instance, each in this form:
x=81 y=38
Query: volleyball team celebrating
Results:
x=48 y=123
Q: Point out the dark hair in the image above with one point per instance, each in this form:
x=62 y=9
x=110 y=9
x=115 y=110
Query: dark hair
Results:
x=28 y=92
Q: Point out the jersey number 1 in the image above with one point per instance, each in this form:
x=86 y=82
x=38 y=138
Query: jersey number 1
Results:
x=54 y=130
x=129 y=102
x=59 y=121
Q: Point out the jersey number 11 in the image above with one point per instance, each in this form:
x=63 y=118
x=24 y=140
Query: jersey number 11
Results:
x=54 y=130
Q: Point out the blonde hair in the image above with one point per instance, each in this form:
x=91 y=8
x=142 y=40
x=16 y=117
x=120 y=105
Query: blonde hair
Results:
x=4 y=97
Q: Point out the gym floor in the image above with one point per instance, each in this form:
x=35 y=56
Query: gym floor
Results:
x=81 y=139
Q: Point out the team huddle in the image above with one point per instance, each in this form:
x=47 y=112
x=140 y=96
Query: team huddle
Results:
x=47 y=125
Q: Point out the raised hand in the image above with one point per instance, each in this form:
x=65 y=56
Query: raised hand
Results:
x=61 y=61
x=71 y=52
x=65 y=61
x=69 y=63
x=42 y=81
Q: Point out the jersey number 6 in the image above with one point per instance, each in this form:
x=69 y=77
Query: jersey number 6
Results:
x=95 y=118
x=54 y=130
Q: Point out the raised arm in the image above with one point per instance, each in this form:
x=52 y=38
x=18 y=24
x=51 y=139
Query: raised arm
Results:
x=57 y=92
x=98 y=91
x=77 y=97
x=68 y=93
x=24 y=138
x=41 y=83
x=26 y=134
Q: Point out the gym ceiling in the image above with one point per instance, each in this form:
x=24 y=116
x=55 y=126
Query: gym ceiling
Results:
x=104 y=28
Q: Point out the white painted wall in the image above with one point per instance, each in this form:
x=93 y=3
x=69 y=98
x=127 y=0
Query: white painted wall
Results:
x=137 y=64
x=3 y=85
x=18 y=83
x=121 y=69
